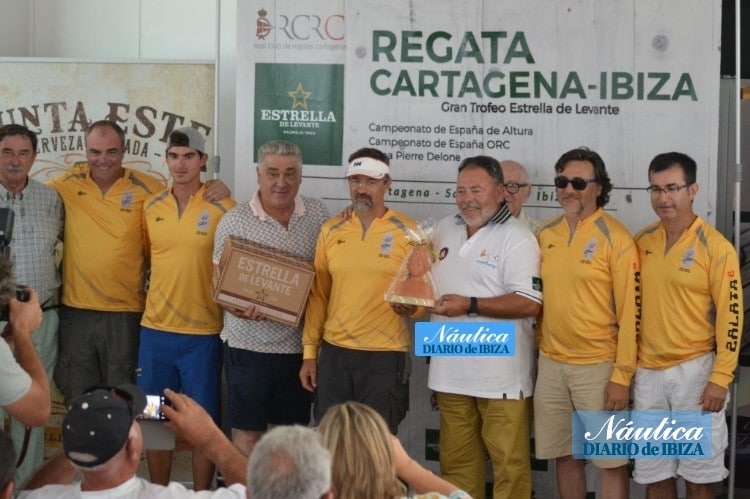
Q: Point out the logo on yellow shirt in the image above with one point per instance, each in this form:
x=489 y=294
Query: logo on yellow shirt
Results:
x=687 y=259
x=588 y=251
x=202 y=226
x=128 y=197
x=386 y=245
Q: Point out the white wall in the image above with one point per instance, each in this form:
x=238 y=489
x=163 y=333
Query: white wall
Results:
x=15 y=39
x=111 y=30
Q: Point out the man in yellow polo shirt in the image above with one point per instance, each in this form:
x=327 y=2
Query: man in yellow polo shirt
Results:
x=104 y=263
x=691 y=325
x=587 y=332
x=355 y=347
x=180 y=347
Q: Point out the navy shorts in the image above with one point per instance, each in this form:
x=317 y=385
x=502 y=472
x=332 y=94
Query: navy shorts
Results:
x=187 y=363
x=264 y=388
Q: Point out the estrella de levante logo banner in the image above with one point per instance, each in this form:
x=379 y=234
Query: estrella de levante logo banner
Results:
x=302 y=103
x=497 y=338
x=641 y=435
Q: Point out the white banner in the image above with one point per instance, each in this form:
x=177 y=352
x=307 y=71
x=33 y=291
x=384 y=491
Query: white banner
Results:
x=441 y=81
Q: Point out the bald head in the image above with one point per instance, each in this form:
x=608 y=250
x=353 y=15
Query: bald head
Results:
x=516 y=179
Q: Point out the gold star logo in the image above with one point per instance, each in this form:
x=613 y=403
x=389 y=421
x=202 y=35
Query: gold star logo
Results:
x=261 y=296
x=300 y=96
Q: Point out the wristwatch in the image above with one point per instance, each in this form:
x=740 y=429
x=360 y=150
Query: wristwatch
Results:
x=473 y=307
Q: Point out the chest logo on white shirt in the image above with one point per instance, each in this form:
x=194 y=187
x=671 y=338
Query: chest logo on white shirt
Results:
x=386 y=245
x=126 y=203
x=488 y=259
x=687 y=259
x=588 y=251
x=202 y=225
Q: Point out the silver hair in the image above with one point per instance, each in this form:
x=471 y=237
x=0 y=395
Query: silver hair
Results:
x=279 y=148
x=524 y=172
x=289 y=461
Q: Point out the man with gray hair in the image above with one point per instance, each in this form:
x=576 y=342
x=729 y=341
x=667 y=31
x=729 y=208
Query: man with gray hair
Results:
x=290 y=461
x=517 y=192
x=32 y=246
x=262 y=357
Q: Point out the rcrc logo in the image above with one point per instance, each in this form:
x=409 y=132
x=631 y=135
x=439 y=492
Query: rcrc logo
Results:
x=302 y=26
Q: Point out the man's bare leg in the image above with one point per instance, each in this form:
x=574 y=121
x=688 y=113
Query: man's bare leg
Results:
x=699 y=490
x=571 y=478
x=245 y=440
x=615 y=482
x=666 y=489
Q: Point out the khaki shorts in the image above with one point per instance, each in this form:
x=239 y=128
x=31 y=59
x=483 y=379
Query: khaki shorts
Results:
x=560 y=390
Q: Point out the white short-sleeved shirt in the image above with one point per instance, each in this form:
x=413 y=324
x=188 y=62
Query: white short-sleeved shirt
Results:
x=500 y=258
x=14 y=381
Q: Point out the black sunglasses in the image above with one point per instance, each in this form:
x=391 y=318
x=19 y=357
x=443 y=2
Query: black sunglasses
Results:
x=578 y=183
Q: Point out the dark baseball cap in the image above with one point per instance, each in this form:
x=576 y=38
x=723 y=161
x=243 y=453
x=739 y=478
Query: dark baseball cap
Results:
x=187 y=137
x=98 y=423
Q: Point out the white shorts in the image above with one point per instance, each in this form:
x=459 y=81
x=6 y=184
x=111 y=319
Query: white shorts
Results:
x=679 y=388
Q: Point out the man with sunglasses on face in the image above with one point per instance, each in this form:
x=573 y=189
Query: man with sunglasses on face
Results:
x=587 y=331
x=692 y=323
x=355 y=346
x=517 y=192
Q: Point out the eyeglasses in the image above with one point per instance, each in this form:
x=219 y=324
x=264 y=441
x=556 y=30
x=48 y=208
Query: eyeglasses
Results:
x=669 y=189
x=578 y=183
x=514 y=187
x=367 y=182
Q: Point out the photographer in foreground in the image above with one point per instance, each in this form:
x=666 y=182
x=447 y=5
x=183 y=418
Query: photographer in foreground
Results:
x=103 y=443
x=24 y=387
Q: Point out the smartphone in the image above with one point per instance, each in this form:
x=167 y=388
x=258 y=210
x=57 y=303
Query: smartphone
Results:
x=154 y=404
